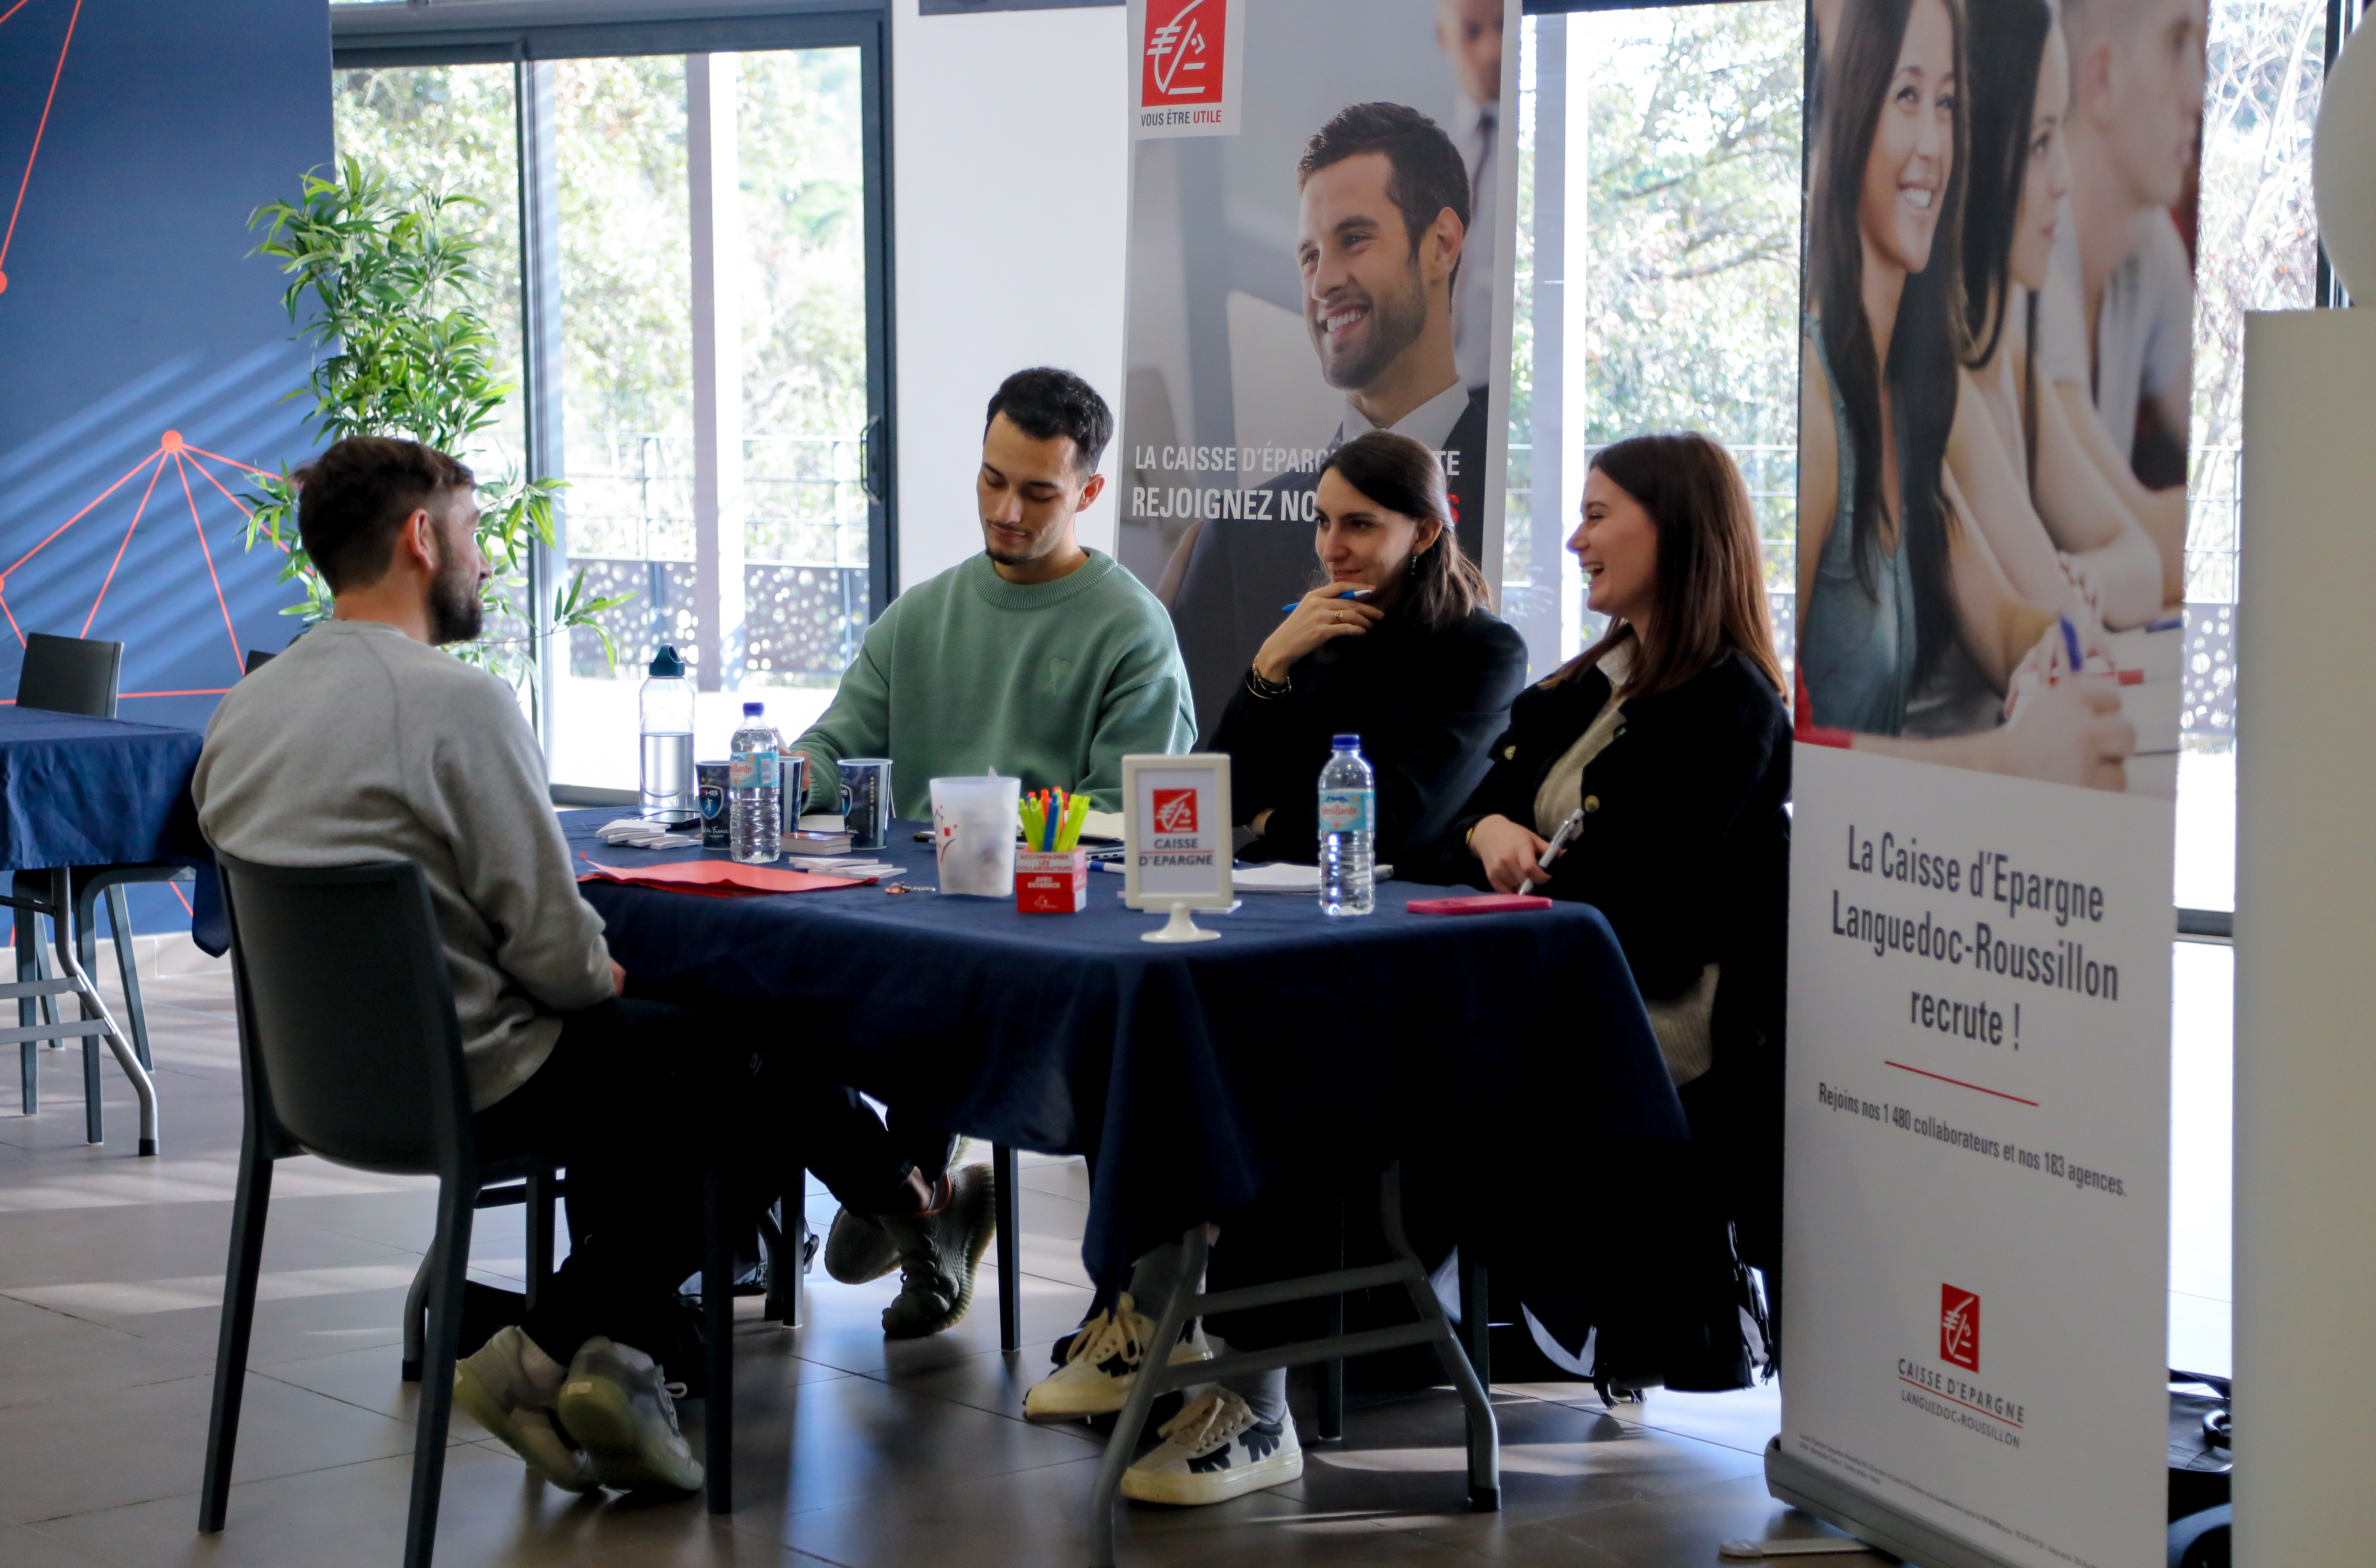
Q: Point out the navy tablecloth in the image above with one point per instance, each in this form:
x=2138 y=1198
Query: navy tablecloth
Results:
x=1196 y=1076
x=81 y=791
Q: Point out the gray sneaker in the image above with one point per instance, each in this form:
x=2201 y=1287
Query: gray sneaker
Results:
x=938 y=1256
x=858 y=1249
x=617 y=1408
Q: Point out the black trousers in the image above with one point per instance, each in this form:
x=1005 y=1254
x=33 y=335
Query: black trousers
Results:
x=634 y=1096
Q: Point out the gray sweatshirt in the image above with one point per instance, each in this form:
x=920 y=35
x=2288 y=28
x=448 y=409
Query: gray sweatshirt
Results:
x=360 y=744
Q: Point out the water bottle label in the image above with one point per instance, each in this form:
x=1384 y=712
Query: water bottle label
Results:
x=1345 y=811
x=756 y=771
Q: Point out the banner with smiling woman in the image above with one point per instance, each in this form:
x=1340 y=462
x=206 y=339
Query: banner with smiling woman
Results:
x=1995 y=381
x=1322 y=221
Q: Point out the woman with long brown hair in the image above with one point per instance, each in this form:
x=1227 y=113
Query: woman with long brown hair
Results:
x=1669 y=737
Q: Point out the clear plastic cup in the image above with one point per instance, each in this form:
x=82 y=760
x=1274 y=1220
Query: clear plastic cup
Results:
x=973 y=834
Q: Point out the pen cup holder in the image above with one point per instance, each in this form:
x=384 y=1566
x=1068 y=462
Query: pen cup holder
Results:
x=1052 y=881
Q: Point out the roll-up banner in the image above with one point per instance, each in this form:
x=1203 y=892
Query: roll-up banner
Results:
x=1323 y=217
x=1996 y=364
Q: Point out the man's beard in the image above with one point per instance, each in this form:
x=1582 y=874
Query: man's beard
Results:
x=455 y=614
x=1395 y=324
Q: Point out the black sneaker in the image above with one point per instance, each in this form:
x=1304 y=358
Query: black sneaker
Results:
x=939 y=1255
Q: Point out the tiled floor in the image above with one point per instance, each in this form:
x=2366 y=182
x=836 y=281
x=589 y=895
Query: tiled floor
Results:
x=850 y=1450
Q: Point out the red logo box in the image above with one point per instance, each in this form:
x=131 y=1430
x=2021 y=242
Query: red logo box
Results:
x=1959 y=1328
x=1051 y=883
x=1182 y=51
x=1175 y=811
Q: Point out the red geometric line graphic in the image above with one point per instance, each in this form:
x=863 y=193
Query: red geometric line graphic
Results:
x=170 y=448
x=122 y=548
x=39 y=131
x=228 y=630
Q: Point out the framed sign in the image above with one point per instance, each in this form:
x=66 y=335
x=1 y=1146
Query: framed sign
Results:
x=1176 y=831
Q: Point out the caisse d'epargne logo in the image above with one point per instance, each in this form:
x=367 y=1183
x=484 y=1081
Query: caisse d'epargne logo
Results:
x=1959 y=1327
x=1175 y=812
x=1181 y=56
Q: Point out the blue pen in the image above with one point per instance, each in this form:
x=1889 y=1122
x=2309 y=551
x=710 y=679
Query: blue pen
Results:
x=1349 y=593
x=2071 y=644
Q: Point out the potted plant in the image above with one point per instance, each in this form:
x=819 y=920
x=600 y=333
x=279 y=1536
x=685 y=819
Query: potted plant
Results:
x=393 y=284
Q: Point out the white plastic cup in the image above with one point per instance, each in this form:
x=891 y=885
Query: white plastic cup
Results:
x=973 y=834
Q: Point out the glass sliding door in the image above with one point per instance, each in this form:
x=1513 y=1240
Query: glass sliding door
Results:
x=712 y=239
x=687 y=243
x=1659 y=275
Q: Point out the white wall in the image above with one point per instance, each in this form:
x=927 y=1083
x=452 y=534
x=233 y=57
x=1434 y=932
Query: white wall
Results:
x=1009 y=147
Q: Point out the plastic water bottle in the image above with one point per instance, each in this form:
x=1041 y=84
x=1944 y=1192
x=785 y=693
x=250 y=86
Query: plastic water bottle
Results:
x=1348 y=826
x=666 y=711
x=755 y=790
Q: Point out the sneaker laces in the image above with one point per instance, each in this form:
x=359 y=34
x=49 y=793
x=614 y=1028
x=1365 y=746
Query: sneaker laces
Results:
x=1101 y=1337
x=1209 y=1420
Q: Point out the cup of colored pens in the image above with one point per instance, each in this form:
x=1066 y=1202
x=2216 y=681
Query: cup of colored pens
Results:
x=1052 y=870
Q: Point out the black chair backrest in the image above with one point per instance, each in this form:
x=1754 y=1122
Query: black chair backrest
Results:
x=347 y=1028
x=70 y=675
x=256 y=660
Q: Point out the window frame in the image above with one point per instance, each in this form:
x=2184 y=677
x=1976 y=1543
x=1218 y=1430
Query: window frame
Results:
x=529 y=33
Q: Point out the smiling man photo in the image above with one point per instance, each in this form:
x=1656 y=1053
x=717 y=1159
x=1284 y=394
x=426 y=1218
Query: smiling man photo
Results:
x=1381 y=227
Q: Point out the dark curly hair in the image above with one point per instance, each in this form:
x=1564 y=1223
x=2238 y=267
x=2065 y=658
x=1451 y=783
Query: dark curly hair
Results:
x=1045 y=403
x=352 y=500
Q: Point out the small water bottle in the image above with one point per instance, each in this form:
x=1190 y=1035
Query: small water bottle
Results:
x=1348 y=826
x=666 y=711
x=755 y=790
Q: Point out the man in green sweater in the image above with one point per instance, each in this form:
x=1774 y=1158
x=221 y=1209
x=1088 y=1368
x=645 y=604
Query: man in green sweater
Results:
x=1037 y=659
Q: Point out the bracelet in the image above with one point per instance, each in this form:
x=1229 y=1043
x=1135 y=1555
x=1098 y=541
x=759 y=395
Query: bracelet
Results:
x=1469 y=839
x=1266 y=689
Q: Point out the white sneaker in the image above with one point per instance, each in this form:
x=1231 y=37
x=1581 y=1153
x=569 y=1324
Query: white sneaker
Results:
x=1213 y=1451
x=1102 y=1365
x=618 y=1410
x=508 y=1387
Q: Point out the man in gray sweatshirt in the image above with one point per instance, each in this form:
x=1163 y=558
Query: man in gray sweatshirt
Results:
x=365 y=742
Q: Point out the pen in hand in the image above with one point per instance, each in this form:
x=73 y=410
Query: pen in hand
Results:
x=1349 y=593
x=1559 y=842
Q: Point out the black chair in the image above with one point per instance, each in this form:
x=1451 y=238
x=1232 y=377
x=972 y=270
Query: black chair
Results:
x=350 y=1050
x=78 y=675
x=256 y=660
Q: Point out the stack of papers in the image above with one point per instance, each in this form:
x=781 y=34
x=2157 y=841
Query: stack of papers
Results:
x=637 y=832
x=717 y=879
x=1284 y=878
x=816 y=841
x=840 y=865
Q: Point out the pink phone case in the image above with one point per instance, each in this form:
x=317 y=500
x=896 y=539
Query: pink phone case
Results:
x=1479 y=904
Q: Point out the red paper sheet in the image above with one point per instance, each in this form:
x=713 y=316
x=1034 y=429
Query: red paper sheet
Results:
x=719 y=879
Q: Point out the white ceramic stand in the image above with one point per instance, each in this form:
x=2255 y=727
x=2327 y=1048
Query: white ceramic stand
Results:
x=1181 y=927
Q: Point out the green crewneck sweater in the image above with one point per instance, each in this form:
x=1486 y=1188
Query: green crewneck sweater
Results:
x=1051 y=683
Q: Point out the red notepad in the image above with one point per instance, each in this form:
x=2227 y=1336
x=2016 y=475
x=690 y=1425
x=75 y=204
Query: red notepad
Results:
x=1479 y=904
x=717 y=879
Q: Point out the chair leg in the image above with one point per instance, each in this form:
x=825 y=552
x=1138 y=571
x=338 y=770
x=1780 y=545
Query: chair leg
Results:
x=538 y=1203
x=1005 y=1169
x=119 y=921
x=1476 y=1315
x=1332 y=1373
x=29 y=957
x=1484 y=1434
x=773 y=1248
x=451 y=1254
x=86 y=949
x=718 y=1336
x=240 y=1274
x=1124 y=1443
x=416 y=1312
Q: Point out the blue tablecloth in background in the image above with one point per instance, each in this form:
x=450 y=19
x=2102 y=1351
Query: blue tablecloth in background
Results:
x=80 y=792
x=1198 y=1076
